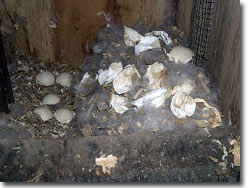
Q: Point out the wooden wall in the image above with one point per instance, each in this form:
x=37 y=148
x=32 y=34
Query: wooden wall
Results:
x=224 y=55
x=77 y=23
x=153 y=13
x=183 y=15
x=33 y=36
x=223 y=51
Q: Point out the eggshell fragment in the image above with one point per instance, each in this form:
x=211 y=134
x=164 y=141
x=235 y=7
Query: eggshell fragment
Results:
x=64 y=79
x=44 y=112
x=181 y=54
x=64 y=115
x=45 y=78
x=51 y=99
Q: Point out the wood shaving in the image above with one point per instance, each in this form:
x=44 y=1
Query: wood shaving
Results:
x=106 y=163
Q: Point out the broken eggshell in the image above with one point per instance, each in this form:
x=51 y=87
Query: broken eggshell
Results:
x=64 y=115
x=44 y=112
x=131 y=36
x=147 y=43
x=102 y=76
x=123 y=82
x=45 y=78
x=155 y=74
x=155 y=98
x=119 y=103
x=181 y=54
x=114 y=69
x=51 y=99
x=64 y=79
x=182 y=105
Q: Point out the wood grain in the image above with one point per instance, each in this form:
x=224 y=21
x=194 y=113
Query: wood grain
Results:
x=224 y=56
x=184 y=9
x=77 y=24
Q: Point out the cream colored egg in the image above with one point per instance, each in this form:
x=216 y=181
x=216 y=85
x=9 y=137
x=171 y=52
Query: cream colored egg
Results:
x=45 y=113
x=51 y=99
x=64 y=115
x=181 y=54
x=64 y=79
x=45 y=78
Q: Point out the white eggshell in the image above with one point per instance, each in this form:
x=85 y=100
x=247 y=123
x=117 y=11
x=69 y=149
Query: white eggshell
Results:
x=51 y=99
x=64 y=79
x=44 y=113
x=64 y=115
x=181 y=54
x=45 y=78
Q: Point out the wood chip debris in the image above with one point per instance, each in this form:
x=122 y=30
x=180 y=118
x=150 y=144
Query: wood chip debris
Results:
x=138 y=124
x=236 y=151
x=213 y=159
x=87 y=130
x=36 y=178
x=106 y=163
x=138 y=93
x=225 y=153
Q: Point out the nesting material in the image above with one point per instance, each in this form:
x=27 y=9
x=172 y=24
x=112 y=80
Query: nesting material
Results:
x=155 y=74
x=123 y=82
x=44 y=112
x=180 y=54
x=88 y=84
x=51 y=99
x=187 y=87
x=91 y=101
x=155 y=98
x=119 y=103
x=64 y=115
x=64 y=79
x=203 y=82
x=45 y=78
x=182 y=105
x=114 y=69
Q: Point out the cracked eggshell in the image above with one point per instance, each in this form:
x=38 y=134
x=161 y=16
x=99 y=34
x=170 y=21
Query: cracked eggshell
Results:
x=45 y=78
x=64 y=115
x=51 y=99
x=181 y=54
x=44 y=112
x=64 y=79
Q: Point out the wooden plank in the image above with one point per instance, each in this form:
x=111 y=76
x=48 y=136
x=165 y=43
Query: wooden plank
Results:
x=224 y=56
x=34 y=36
x=141 y=157
x=77 y=24
x=152 y=13
x=184 y=9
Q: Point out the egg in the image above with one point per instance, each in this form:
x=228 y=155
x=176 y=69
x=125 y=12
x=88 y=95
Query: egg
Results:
x=64 y=115
x=45 y=113
x=64 y=79
x=51 y=99
x=45 y=78
x=180 y=54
